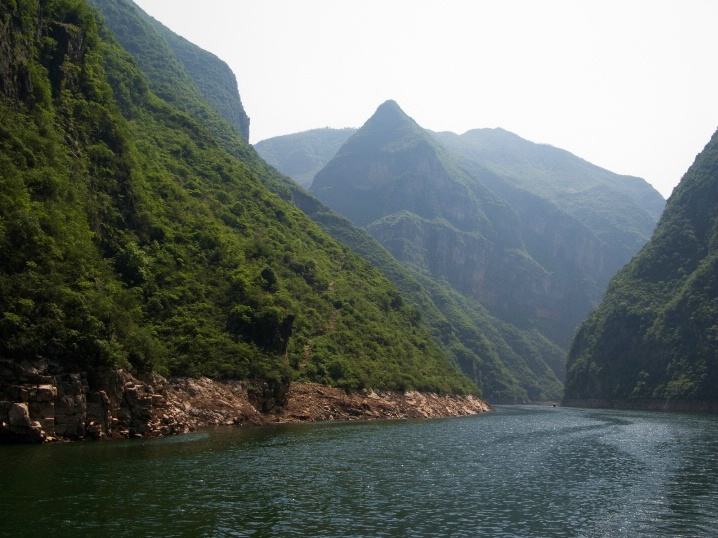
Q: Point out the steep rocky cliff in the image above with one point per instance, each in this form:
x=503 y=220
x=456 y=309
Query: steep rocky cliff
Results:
x=41 y=402
x=653 y=341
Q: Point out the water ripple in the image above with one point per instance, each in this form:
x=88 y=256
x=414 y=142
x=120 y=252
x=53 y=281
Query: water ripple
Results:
x=522 y=471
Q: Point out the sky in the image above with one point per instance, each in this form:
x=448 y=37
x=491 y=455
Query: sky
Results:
x=629 y=85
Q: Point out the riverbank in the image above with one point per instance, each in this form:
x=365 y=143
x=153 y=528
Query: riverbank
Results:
x=39 y=404
x=203 y=402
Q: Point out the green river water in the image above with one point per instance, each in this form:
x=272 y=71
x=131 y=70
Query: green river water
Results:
x=522 y=471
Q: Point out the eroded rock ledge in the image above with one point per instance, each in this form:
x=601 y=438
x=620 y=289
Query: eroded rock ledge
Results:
x=41 y=403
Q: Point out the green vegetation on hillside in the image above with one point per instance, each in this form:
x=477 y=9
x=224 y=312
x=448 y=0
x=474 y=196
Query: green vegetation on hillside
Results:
x=548 y=231
x=655 y=335
x=135 y=234
x=213 y=78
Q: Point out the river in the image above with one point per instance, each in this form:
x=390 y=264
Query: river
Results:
x=521 y=472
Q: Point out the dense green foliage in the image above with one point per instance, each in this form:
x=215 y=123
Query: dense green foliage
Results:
x=213 y=77
x=137 y=229
x=302 y=155
x=655 y=335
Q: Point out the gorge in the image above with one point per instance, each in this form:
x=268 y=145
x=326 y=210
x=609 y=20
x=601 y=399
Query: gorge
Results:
x=146 y=243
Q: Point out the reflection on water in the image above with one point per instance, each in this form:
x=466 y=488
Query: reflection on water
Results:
x=522 y=471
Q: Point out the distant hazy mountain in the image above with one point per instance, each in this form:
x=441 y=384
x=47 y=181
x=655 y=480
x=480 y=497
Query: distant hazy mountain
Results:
x=618 y=211
x=302 y=155
x=653 y=342
x=393 y=178
x=524 y=236
x=621 y=211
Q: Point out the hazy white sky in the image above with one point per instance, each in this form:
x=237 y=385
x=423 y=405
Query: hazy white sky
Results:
x=630 y=85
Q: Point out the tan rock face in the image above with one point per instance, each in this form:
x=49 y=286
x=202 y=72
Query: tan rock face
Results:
x=309 y=402
x=18 y=415
x=39 y=407
x=39 y=402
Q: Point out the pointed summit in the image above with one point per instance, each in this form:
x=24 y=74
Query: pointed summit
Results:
x=388 y=129
x=389 y=106
x=389 y=113
x=390 y=164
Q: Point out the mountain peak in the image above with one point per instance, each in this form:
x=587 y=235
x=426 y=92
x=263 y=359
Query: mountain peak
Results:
x=389 y=107
x=388 y=115
x=388 y=127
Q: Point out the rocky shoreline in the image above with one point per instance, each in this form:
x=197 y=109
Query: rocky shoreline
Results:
x=39 y=403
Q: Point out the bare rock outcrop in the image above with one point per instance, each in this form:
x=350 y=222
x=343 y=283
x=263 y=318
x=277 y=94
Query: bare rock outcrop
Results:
x=310 y=402
x=42 y=403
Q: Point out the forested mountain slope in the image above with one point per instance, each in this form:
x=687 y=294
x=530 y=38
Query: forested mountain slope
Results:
x=212 y=76
x=653 y=341
x=450 y=325
x=136 y=231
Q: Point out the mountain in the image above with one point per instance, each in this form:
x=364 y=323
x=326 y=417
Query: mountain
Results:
x=302 y=155
x=621 y=211
x=213 y=77
x=460 y=241
x=550 y=189
x=653 y=341
x=140 y=230
x=578 y=222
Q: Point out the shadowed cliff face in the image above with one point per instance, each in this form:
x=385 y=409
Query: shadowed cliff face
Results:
x=621 y=211
x=516 y=253
x=394 y=179
x=391 y=165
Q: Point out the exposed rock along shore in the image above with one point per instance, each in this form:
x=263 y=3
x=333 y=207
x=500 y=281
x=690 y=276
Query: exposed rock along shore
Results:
x=39 y=404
